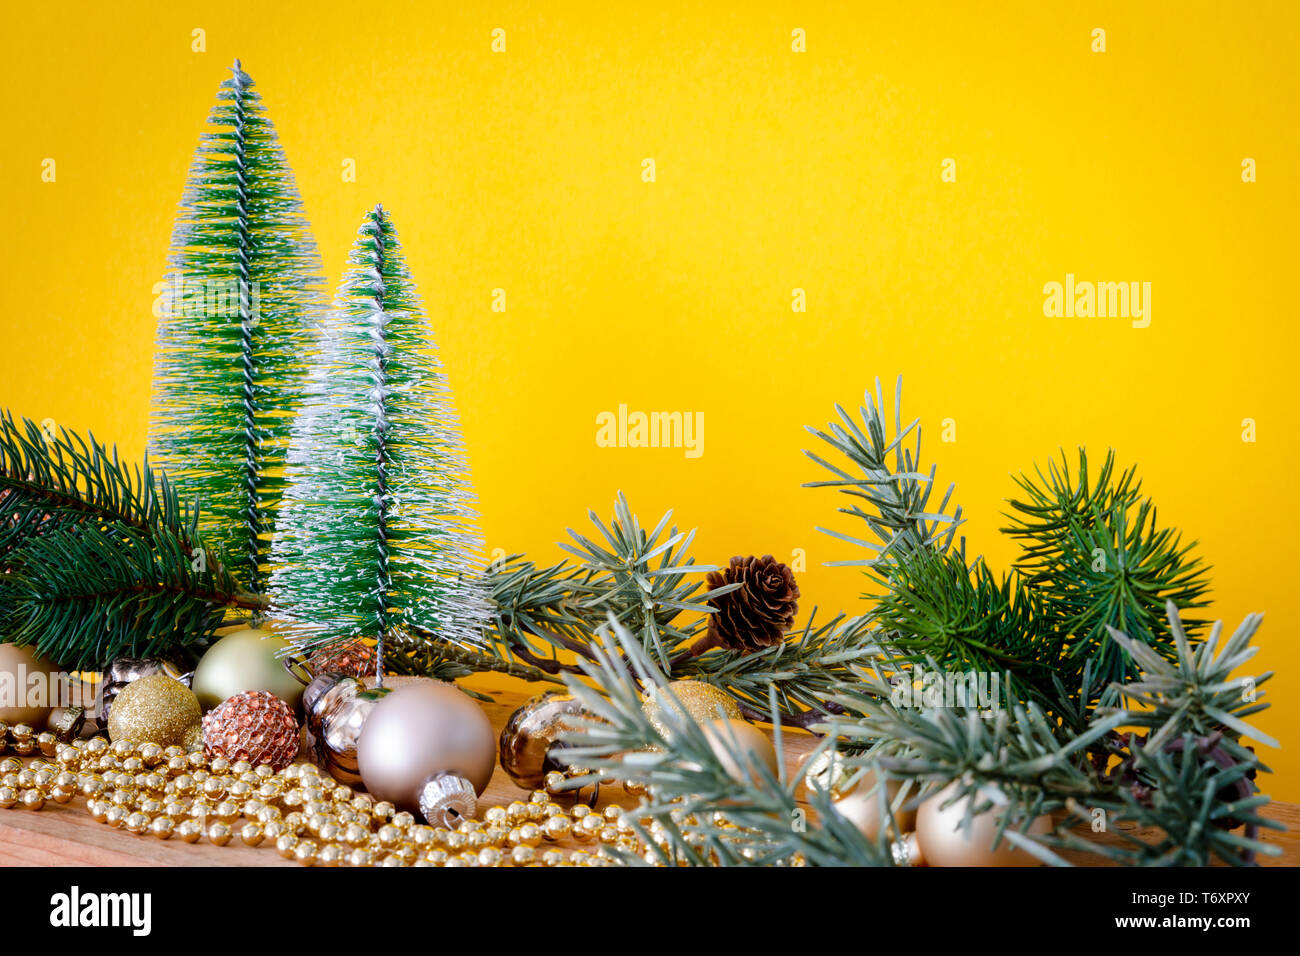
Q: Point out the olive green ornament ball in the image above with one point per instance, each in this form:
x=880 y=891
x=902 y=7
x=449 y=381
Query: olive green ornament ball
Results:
x=242 y=661
x=156 y=709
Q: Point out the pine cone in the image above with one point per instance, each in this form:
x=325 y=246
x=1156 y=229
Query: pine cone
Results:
x=757 y=614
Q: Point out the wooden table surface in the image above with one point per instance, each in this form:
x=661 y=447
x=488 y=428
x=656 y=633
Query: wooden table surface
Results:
x=67 y=836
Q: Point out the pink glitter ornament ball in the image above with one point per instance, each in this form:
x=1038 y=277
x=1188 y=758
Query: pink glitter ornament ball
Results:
x=255 y=726
x=357 y=659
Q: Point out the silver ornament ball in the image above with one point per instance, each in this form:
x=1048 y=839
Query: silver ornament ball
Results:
x=418 y=740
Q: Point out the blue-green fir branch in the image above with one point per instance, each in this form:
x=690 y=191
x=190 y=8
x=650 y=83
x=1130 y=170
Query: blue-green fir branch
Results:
x=893 y=494
x=700 y=811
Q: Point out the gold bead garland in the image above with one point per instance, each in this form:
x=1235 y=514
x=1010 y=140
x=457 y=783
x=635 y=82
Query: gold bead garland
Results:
x=302 y=813
x=307 y=816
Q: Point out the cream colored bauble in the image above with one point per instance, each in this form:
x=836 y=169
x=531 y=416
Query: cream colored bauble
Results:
x=864 y=807
x=944 y=843
x=752 y=745
x=27 y=687
x=242 y=661
x=427 y=746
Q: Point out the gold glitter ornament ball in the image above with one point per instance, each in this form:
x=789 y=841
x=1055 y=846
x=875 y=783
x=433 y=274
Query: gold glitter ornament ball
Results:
x=156 y=709
x=702 y=702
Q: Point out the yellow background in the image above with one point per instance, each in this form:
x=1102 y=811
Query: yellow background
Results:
x=776 y=170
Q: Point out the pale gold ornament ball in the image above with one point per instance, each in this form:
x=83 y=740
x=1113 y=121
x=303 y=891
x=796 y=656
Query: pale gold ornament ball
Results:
x=156 y=709
x=20 y=665
x=242 y=661
x=419 y=731
x=752 y=744
x=943 y=842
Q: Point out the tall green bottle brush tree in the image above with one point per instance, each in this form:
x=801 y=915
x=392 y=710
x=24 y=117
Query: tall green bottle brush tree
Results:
x=99 y=558
x=244 y=290
x=376 y=535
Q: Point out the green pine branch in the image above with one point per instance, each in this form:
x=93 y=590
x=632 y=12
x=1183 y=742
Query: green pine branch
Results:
x=85 y=596
x=545 y=617
x=448 y=662
x=51 y=480
x=804 y=671
x=534 y=612
x=101 y=559
x=1196 y=792
x=643 y=578
x=1094 y=552
x=942 y=609
x=1015 y=746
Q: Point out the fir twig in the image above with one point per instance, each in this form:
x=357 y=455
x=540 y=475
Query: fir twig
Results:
x=890 y=480
x=101 y=559
x=1094 y=551
x=52 y=480
x=699 y=814
x=1196 y=691
x=84 y=596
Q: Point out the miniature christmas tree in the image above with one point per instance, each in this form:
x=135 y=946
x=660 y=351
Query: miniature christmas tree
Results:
x=376 y=535
x=233 y=331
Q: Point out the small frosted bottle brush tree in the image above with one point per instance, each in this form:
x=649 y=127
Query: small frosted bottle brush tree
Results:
x=376 y=536
x=242 y=292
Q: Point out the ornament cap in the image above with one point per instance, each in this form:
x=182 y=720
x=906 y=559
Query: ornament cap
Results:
x=447 y=798
x=66 y=722
x=907 y=851
x=330 y=684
